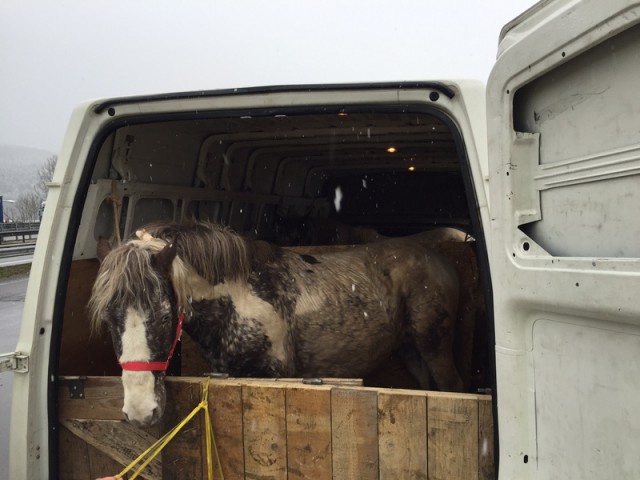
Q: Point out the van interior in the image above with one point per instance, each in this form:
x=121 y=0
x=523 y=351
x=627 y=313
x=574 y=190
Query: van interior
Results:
x=315 y=176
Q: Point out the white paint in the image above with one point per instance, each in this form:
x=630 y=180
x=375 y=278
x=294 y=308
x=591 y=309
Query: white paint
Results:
x=139 y=387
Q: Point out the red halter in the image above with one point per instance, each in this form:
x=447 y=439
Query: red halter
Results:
x=155 y=366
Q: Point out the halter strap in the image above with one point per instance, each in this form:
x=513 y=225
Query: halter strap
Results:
x=156 y=366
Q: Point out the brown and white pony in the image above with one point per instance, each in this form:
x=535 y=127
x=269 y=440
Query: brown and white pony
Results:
x=258 y=310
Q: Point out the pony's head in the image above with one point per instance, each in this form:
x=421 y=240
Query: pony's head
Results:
x=141 y=289
x=134 y=297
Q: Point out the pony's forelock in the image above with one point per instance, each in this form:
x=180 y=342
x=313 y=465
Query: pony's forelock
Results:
x=121 y=276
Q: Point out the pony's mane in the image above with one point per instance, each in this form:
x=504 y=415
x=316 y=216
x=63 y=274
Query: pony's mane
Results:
x=213 y=251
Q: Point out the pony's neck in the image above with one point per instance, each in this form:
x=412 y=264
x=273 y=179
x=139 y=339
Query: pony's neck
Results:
x=189 y=285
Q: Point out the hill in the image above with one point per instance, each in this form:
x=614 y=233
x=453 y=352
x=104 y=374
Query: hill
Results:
x=19 y=169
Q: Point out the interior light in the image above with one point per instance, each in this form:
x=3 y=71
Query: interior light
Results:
x=392 y=150
x=411 y=168
x=342 y=114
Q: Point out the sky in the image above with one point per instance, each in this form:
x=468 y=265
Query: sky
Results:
x=55 y=54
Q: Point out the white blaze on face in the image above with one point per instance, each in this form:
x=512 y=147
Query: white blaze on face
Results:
x=139 y=387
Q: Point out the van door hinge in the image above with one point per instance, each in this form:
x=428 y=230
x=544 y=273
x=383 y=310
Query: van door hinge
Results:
x=14 y=362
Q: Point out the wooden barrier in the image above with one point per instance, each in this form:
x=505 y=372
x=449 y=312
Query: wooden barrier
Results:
x=283 y=430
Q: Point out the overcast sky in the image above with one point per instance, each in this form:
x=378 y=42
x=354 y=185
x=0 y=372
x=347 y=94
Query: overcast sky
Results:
x=56 y=53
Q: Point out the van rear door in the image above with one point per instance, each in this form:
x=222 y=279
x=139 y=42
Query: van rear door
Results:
x=564 y=160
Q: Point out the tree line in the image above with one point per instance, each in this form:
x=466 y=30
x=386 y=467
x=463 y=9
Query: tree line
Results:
x=28 y=206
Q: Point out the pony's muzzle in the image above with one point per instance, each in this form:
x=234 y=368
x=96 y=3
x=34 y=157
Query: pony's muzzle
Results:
x=147 y=421
x=144 y=398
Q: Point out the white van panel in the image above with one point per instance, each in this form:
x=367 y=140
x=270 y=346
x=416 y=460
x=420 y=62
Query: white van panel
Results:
x=581 y=399
x=564 y=131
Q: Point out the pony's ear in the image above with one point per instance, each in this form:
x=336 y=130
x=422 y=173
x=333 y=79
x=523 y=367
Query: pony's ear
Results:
x=262 y=252
x=163 y=259
x=104 y=247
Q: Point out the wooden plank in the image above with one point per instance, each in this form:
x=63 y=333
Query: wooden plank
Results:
x=182 y=457
x=82 y=353
x=74 y=457
x=265 y=434
x=193 y=363
x=452 y=440
x=281 y=429
x=225 y=408
x=309 y=432
x=103 y=399
x=354 y=434
x=338 y=382
x=102 y=465
x=402 y=430
x=486 y=460
x=116 y=439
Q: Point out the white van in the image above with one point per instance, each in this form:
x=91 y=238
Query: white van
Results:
x=541 y=170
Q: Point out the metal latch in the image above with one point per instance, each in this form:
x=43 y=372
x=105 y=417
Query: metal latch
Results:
x=14 y=362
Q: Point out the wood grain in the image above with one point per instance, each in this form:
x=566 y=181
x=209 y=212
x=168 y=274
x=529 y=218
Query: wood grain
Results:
x=116 y=439
x=265 y=433
x=182 y=457
x=103 y=400
x=354 y=434
x=486 y=461
x=452 y=437
x=225 y=407
x=309 y=432
x=402 y=430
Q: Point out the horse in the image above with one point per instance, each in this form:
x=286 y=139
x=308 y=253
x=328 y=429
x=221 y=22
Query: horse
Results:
x=259 y=310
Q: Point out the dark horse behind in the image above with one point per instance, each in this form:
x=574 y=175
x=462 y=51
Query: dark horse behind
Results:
x=258 y=310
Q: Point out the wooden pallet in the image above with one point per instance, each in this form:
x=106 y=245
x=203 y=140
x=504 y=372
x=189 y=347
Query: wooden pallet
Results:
x=279 y=429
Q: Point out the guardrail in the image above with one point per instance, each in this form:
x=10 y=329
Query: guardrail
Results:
x=17 y=251
x=18 y=230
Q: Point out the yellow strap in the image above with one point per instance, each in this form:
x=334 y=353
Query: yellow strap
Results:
x=162 y=442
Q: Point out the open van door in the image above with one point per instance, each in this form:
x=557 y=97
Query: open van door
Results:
x=564 y=164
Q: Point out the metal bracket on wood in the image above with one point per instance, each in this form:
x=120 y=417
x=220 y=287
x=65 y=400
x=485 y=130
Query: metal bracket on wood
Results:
x=312 y=381
x=76 y=387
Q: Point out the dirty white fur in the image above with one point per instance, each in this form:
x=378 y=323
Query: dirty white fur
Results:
x=139 y=387
x=245 y=302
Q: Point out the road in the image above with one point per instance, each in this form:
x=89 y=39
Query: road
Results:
x=12 y=293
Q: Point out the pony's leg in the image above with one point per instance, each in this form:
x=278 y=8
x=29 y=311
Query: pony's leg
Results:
x=432 y=326
x=413 y=361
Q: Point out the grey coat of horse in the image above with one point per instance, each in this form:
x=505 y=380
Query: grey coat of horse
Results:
x=259 y=310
